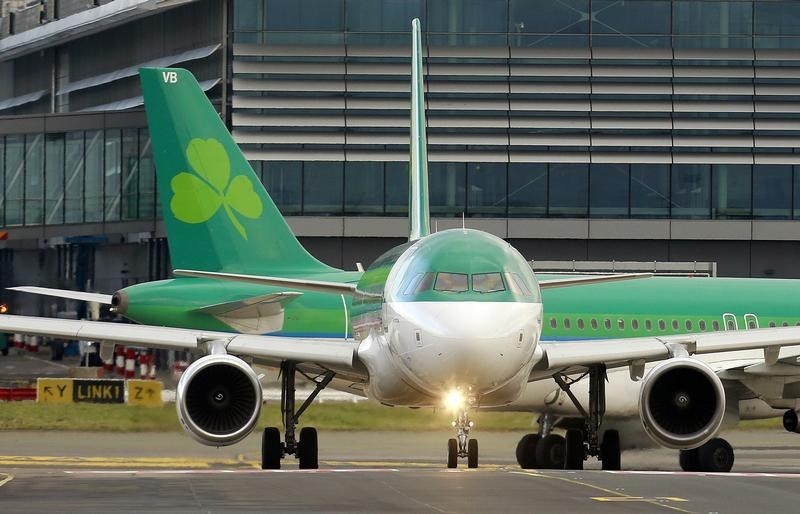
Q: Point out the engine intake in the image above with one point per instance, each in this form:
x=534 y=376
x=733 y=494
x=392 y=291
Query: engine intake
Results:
x=790 y=421
x=681 y=403
x=218 y=400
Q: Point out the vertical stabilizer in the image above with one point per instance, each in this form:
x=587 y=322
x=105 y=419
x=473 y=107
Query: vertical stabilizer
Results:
x=419 y=215
x=218 y=215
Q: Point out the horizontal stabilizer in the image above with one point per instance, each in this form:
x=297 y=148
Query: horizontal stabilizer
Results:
x=65 y=293
x=592 y=279
x=293 y=283
x=256 y=315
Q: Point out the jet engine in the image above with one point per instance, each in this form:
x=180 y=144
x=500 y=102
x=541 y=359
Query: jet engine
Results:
x=681 y=403
x=790 y=421
x=218 y=400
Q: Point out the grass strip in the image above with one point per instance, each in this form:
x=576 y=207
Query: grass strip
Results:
x=328 y=416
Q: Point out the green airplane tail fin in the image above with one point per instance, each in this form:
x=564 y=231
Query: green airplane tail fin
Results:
x=218 y=215
x=419 y=215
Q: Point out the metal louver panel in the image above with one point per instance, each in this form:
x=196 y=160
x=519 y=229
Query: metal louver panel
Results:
x=520 y=104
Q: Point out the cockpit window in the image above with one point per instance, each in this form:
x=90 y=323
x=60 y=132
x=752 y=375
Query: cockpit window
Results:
x=421 y=282
x=487 y=283
x=516 y=284
x=452 y=282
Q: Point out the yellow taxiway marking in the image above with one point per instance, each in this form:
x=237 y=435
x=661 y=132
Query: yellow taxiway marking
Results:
x=119 y=462
x=8 y=478
x=638 y=499
x=614 y=494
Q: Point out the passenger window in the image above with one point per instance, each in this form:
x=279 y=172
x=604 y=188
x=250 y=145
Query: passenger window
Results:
x=662 y=325
x=715 y=324
x=648 y=325
x=635 y=324
x=702 y=325
x=798 y=323
x=567 y=323
x=607 y=324
x=487 y=283
x=451 y=282
x=771 y=324
x=785 y=324
x=751 y=324
x=621 y=324
x=553 y=323
x=516 y=285
x=594 y=324
x=674 y=324
x=581 y=326
x=688 y=324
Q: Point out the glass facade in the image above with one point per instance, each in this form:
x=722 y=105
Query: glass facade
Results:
x=76 y=177
x=108 y=175
x=524 y=23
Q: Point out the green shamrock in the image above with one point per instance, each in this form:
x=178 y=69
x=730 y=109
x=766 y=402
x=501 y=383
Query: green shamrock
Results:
x=199 y=195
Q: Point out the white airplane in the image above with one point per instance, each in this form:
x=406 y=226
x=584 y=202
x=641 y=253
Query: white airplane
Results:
x=453 y=316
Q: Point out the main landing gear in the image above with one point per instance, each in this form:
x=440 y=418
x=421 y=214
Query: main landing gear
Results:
x=546 y=450
x=462 y=446
x=714 y=456
x=306 y=448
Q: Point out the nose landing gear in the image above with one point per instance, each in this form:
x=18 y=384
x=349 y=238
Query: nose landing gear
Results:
x=462 y=446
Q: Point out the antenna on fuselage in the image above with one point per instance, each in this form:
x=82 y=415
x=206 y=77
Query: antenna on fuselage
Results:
x=419 y=224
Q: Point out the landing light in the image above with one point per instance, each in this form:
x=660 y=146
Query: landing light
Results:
x=454 y=400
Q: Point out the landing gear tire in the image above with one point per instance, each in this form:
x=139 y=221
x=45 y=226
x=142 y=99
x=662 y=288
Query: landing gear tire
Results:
x=716 y=456
x=550 y=452
x=452 y=453
x=308 y=449
x=689 y=460
x=472 y=453
x=271 y=450
x=526 y=451
x=610 y=451
x=575 y=450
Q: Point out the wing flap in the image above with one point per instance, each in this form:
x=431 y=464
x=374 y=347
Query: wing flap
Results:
x=558 y=356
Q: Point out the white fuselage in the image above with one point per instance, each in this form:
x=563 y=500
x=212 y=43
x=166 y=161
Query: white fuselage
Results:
x=425 y=349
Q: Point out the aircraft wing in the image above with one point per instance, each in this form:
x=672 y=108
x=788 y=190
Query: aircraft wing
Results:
x=337 y=353
x=293 y=283
x=574 y=356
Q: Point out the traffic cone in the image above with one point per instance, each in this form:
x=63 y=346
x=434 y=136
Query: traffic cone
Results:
x=130 y=363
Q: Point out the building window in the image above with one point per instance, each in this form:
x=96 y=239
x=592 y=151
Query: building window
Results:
x=447 y=188
x=486 y=189
x=772 y=191
x=322 y=188
x=363 y=188
x=650 y=190
x=608 y=191
x=527 y=189
x=691 y=191
x=567 y=190
x=732 y=191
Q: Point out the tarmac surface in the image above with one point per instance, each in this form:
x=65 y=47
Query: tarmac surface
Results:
x=375 y=472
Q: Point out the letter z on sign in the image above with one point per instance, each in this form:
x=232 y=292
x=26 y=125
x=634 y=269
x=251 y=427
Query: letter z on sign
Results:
x=170 y=77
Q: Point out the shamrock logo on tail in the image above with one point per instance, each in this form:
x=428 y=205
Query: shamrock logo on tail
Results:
x=199 y=195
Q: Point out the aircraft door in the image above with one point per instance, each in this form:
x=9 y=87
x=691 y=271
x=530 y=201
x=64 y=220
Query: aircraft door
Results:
x=730 y=322
x=750 y=321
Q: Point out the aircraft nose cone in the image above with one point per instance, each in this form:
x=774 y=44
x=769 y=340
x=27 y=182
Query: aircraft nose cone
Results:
x=481 y=345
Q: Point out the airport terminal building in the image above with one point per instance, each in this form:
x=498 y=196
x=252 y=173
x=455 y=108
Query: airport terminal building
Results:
x=649 y=130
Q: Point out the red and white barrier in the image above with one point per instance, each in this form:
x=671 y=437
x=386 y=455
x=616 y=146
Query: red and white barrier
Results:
x=19 y=342
x=151 y=375
x=130 y=363
x=33 y=344
x=178 y=368
x=119 y=360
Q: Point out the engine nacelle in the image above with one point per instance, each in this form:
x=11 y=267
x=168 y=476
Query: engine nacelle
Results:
x=681 y=403
x=790 y=421
x=218 y=400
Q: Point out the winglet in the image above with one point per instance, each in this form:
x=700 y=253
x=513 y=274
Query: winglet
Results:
x=418 y=209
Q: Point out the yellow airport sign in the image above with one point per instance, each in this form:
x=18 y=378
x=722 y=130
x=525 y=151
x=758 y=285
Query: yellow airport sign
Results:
x=54 y=390
x=144 y=392
x=98 y=391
